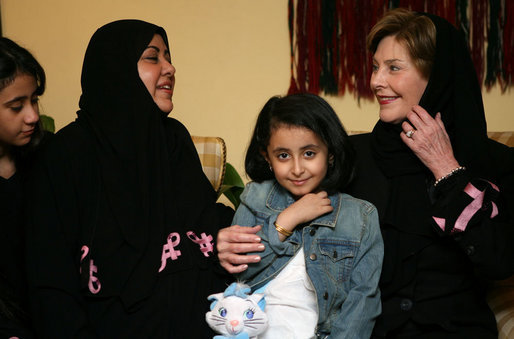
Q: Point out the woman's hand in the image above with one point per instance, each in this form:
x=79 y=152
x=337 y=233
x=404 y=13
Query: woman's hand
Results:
x=233 y=243
x=429 y=141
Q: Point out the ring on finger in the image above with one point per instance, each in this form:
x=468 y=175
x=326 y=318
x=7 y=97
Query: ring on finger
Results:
x=409 y=134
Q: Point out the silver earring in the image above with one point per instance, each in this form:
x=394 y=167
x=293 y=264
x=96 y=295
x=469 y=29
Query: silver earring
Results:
x=270 y=168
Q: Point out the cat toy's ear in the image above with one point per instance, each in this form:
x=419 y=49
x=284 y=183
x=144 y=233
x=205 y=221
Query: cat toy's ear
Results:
x=237 y=289
x=258 y=299
x=260 y=293
x=215 y=297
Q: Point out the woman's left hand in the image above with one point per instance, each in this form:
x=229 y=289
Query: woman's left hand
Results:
x=233 y=243
x=428 y=139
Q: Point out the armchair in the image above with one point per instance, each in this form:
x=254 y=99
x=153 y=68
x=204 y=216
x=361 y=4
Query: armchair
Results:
x=213 y=156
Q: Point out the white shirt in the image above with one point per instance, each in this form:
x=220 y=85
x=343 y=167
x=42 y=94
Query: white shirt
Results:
x=291 y=303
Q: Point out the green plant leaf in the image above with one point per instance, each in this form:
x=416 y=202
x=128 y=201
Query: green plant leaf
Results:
x=232 y=178
x=232 y=185
x=48 y=123
x=233 y=195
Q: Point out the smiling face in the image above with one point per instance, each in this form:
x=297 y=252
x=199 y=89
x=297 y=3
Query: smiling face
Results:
x=299 y=159
x=19 y=112
x=396 y=82
x=157 y=73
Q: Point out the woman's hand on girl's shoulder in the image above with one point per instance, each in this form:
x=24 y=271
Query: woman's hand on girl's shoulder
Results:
x=233 y=243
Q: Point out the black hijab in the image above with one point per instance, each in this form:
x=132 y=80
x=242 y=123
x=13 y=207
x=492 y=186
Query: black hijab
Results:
x=150 y=175
x=406 y=185
x=453 y=90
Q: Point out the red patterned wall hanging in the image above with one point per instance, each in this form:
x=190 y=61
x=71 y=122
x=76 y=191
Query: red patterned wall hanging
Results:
x=328 y=40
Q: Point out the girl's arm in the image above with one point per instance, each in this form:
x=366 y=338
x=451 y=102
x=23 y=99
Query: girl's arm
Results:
x=362 y=305
x=235 y=241
x=305 y=209
x=273 y=246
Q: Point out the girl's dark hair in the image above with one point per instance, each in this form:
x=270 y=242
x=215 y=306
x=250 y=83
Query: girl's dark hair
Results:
x=16 y=60
x=311 y=112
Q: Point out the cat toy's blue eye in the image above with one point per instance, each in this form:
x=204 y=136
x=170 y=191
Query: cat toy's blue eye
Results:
x=223 y=312
x=248 y=314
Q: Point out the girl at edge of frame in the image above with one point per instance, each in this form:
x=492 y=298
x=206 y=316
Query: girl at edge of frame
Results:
x=323 y=248
x=22 y=81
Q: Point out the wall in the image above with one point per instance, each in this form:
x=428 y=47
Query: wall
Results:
x=231 y=56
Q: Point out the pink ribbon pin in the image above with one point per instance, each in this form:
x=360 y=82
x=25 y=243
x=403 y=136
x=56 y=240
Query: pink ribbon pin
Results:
x=470 y=210
x=168 y=249
x=94 y=283
x=205 y=242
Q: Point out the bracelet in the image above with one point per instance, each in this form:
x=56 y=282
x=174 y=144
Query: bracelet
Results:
x=452 y=172
x=282 y=230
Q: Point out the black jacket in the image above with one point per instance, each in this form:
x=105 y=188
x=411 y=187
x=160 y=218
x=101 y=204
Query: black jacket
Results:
x=434 y=279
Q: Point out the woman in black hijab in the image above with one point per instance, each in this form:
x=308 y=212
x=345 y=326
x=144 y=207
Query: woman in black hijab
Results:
x=444 y=191
x=121 y=225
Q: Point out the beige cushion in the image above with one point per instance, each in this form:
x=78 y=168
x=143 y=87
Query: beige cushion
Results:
x=501 y=301
x=212 y=153
x=506 y=138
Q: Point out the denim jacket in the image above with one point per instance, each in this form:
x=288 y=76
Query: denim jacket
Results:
x=343 y=256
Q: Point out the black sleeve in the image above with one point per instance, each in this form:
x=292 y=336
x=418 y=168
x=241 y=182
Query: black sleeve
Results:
x=10 y=329
x=197 y=194
x=196 y=185
x=57 y=306
x=478 y=213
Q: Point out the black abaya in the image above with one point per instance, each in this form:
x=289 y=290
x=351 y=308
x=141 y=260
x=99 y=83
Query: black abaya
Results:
x=433 y=281
x=116 y=195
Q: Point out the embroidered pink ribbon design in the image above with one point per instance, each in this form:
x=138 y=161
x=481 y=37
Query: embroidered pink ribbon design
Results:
x=94 y=284
x=470 y=210
x=85 y=251
x=205 y=242
x=93 y=280
x=168 y=249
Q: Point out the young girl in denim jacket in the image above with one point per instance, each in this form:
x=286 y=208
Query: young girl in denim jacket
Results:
x=323 y=248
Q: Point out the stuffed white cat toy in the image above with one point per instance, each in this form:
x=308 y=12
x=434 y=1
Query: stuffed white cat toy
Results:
x=237 y=315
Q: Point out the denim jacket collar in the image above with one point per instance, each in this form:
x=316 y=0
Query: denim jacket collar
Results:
x=279 y=199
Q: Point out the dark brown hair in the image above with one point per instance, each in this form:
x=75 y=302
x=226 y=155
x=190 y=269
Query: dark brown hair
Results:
x=315 y=114
x=16 y=60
